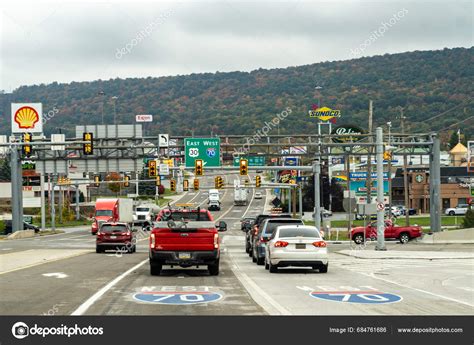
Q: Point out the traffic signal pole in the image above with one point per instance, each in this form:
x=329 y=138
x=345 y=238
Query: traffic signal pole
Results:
x=15 y=180
x=380 y=210
x=317 y=200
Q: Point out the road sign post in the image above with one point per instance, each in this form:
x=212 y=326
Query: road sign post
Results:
x=380 y=200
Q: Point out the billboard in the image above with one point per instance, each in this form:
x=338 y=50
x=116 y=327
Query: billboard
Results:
x=27 y=117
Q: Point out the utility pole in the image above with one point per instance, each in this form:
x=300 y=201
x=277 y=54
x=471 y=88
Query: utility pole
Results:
x=369 y=157
x=435 y=185
x=406 y=192
x=77 y=203
x=16 y=220
x=380 y=210
x=317 y=201
x=293 y=193
x=43 y=203
x=300 y=200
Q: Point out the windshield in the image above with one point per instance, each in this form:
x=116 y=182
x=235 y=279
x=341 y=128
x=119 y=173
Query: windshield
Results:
x=296 y=232
x=113 y=228
x=143 y=209
x=186 y=215
x=102 y=213
x=272 y=225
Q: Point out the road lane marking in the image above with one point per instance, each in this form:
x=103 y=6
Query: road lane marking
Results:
x=59 y=275
x=263 y=299
x=95 y=297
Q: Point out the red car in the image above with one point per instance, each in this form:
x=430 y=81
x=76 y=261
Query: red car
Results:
x=116 y=236
x=402 y=233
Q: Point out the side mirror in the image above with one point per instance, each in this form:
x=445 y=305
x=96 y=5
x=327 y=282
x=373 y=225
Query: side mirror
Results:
x=221 y=226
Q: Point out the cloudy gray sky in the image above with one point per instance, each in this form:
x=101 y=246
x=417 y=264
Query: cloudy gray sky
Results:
x=44 y=41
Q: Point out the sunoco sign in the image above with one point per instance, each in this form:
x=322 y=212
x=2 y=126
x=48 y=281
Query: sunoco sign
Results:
x=325 y=113
x=345 y=134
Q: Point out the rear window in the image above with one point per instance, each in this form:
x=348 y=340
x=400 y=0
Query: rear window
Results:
x=193 y=216
x=102 y=213
x=113 y=228
x=272 y=225
x=298 y=232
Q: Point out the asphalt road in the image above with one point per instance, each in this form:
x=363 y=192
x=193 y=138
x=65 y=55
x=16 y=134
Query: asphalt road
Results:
x=111 y=284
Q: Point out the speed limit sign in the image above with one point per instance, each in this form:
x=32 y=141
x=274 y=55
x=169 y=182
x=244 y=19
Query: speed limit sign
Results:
x=380 y=206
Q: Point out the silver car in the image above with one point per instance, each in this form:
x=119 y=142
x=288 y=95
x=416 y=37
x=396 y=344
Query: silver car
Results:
x=296 y=245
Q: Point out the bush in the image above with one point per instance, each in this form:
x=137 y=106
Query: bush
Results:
x=2 y=226
x=468 y=220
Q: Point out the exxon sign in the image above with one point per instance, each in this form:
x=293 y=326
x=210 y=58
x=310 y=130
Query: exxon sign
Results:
x=345 y=134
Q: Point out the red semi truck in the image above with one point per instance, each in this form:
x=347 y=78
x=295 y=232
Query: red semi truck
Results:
x=112 y=210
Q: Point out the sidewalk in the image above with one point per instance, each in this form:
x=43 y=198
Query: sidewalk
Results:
x=394 y=254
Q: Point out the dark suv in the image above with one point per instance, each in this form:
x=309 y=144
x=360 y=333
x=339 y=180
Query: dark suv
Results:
x=255 y=226
x=266 y=230
x=118 y=236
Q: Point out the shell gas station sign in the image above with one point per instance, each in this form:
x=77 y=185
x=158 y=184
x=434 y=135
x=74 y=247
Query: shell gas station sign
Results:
x=27 y=117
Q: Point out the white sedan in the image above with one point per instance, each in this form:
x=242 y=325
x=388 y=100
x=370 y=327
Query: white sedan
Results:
x=461 y=209
x=296 y=245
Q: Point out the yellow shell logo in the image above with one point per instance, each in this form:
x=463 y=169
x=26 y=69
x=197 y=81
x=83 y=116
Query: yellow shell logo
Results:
x=26 y=117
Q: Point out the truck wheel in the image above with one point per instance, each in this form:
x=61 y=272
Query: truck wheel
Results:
x=260 y=261
x=452 y=213
x=404 y=238
x=247 y=247
x=323 y=268
x=358 y=239
x=155 y=268
x=99 y=249
x=266 y=265
x=254 y=259
x=214 y=269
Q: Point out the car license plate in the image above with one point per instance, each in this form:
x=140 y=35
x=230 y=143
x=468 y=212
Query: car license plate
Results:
x=113 y=237
x=184 y=256
x=300 y=246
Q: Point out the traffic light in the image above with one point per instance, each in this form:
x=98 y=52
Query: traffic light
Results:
x=185 y=185
x=126 y=182
x=173 y=185
x=27 y=149
x=218 y=182
x=152 y=168
x=88 y=148
x=258 y=181
x=198 y=167
x=97 y=180
x=196 y=184
x=158 y=181
x=244 y=167
x=387 y=156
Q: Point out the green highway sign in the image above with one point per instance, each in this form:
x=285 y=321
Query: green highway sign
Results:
x=207 y=149
x=254 y=161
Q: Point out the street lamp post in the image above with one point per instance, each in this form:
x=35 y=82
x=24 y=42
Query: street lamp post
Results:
x=114 y=98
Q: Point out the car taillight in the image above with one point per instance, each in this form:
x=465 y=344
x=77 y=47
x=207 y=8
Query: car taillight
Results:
x=320 y=244
x=152 y=241
x=280 y=244
x=255 y=230
x=216 y=241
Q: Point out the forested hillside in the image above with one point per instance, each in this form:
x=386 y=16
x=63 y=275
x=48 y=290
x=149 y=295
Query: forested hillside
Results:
x=424 y=83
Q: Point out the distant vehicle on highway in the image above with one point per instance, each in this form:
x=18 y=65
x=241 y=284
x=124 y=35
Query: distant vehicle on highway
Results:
x=411 y=211
x=246 y=223
x=118 y=236
x=241 y=196
x=186 y=213
x=266 y=230
x=112 y=210
x=26 y=226
x=187 y=244
x=402 y=233
x=145 y=214
x=296 y=245
x=214 y=203
x=460 y=209
x=249 y=236
x=258 y=195
x=325 y=213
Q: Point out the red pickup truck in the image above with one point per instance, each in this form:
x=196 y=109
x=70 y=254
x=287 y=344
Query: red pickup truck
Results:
x=402 y=233
x=185 y=244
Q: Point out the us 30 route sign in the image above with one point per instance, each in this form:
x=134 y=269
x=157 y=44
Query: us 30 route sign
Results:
x=207 y=149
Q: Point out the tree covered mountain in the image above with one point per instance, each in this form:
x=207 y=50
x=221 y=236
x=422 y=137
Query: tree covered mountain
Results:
x=424 y=83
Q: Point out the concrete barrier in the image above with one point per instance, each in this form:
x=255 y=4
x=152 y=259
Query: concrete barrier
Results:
x=21 y=234
x=451 y=236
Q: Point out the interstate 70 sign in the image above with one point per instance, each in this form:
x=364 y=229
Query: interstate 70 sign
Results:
x=207 y=149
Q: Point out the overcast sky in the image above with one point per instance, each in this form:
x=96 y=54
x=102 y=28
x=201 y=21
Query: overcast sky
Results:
x=44 y=42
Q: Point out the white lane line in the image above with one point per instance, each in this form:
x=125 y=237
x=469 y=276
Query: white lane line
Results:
x=263 y=299
x=250 y=203
x=372 y=275
x=95 y=297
